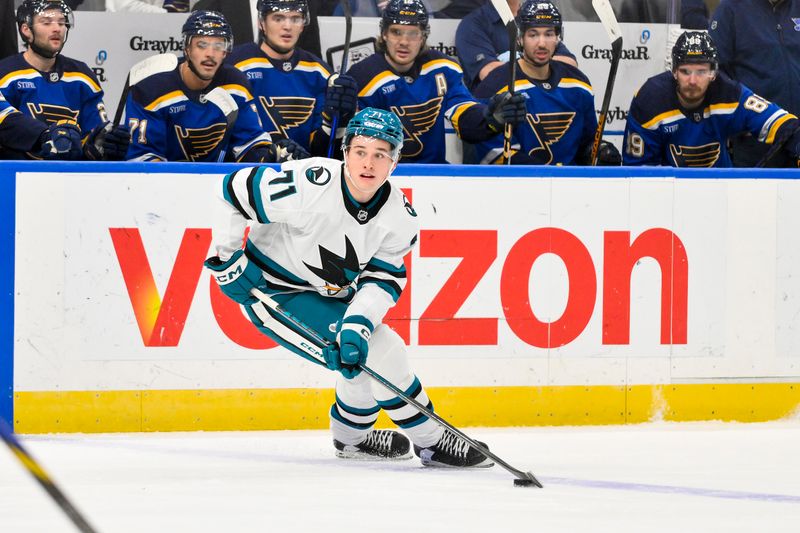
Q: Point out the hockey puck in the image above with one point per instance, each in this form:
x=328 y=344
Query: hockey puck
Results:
x=523 y=483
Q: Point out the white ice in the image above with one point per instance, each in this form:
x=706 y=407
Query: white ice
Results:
x=668 y=477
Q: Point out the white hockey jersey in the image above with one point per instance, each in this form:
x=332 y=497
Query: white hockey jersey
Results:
x=307 y=233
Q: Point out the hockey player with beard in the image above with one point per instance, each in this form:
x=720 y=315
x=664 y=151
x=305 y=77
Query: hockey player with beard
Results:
x=326 y=241
x=684 y=118
x=171 y=120
x=424 y=87
x=296 y=96
x=20 y=133
x=560 y=123
x=54 y=89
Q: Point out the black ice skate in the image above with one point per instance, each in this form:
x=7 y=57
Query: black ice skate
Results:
x=379 y=444
x=452 y=452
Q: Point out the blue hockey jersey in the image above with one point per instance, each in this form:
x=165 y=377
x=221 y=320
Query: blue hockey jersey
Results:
x=70 y=92
x=290 y=93
x=560 y=120
x=170 y=122
x=18 y=133
x=423 y=97
x=659 y=131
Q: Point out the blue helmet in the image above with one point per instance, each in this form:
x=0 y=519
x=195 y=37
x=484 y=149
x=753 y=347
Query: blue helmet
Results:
x=265 y=7
x=378 y=124
x=410 y=12
x=537 y=13
x=30 y=8
x=209 y=24
x=694 y=47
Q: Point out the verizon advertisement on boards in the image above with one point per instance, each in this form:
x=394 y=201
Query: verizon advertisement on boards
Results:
x=564 y=280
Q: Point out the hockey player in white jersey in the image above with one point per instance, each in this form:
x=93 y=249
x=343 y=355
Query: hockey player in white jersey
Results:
x=326 y=242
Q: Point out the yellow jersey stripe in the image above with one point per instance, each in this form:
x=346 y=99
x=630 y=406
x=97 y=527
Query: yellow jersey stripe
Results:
x=312 y=66
x=18 y=75
x=254 y=62
x=381 y=79
x=774 y=129
x=5 y=112
x=573 y=82
x=457 y=113
x=667 y=116
x=238 y=90
x=438 y=63
x=80 y=76
x=168 y=98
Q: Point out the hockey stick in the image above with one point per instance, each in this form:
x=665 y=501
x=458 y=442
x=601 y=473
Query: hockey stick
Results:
x=141 y=70
x=315 y=353
x=511 y=27
x=225 y=102
x=348 y=28
x=36 y=470
x=609 y=20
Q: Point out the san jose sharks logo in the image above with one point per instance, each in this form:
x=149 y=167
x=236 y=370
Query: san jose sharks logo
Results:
x=548 y=128
x=52 y=114
x=286 y=112
x=417 y=120
x=695 y=156
x=318 y=175
x=337 y=272
x=198 y=143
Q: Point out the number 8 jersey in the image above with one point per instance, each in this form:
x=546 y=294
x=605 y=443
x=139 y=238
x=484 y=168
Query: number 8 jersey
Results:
x=307 y=233
x=660 y=132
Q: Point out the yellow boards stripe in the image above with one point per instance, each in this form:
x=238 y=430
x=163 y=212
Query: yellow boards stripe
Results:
x=273 y=409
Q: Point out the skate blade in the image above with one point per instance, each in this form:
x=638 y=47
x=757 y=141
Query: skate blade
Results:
x=361 y=456
x=486 y=463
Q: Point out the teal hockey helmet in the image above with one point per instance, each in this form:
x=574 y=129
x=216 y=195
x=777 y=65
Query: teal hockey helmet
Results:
x=378 y=124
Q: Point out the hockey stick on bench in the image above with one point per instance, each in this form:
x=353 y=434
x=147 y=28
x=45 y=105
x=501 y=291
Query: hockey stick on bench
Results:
x=35 y=469
x=501 y=6
x=609 y=20
x=315 y=352
x=348 y=29
x=141 y=70
x=225 y=102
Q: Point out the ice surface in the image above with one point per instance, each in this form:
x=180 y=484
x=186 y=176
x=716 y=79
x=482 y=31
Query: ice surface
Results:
x=642 y=478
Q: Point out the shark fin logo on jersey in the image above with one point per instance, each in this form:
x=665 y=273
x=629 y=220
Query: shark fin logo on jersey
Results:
x=52 y=114
x=695 y=156
x=286 y=112
x=197 y=143
x=337 y=272
x=548 y=129
x=318 y=175
x=417 y=120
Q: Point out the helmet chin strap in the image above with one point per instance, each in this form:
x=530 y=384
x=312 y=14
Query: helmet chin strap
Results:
x=352 y=182
x=279 y=49
x=47 y=54
x=196 y=72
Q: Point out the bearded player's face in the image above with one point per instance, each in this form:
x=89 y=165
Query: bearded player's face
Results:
x=403 y=44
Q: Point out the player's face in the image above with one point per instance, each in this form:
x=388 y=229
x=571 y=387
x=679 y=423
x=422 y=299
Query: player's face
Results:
x=539 y=45
x=403 y=43
x=206 y=54
x=693 y=81
x=283 y=29
x=369 y=163
x=50 y=30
